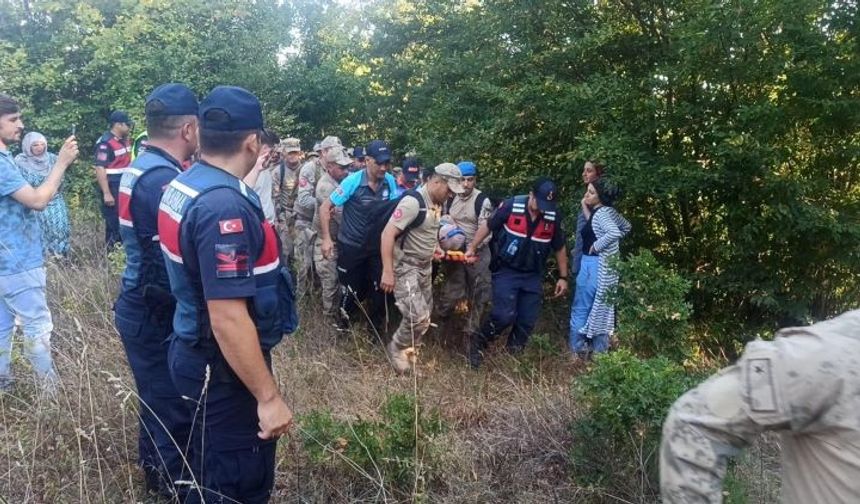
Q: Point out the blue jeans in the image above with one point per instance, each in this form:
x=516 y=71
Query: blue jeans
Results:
x=23 y=296
x=583 y=299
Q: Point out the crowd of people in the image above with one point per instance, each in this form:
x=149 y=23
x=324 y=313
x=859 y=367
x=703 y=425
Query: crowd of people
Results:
x=226 y=228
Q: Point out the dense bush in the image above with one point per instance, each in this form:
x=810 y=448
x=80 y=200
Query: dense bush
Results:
x=395 y=450
x=652 y=307
x=624 y=400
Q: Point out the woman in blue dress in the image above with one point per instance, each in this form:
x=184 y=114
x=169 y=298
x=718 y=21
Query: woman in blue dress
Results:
x=35 y=163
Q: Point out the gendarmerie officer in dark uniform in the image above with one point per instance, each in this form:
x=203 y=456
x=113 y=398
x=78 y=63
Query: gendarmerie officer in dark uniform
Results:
x=527 y=231
x=144 y=309
x=234 y=302
x=112 y=156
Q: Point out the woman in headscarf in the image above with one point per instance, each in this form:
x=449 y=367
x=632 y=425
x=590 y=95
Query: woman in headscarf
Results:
x=36 y=163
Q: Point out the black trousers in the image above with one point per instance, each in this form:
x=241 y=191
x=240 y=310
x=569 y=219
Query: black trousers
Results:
x=359 y=272
x=111 y=214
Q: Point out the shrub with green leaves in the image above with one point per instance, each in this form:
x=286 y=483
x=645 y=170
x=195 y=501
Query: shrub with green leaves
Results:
x=653 y=313
x=395 y=450
x=625 y=400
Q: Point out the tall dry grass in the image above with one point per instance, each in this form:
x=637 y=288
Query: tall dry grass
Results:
x=507 y=440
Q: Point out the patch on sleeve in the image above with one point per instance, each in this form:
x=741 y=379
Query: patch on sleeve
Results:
x=230 y=226
x=101 y=156
x=760 y=386
x=231 y=260
x=398 y=213
x=303 y=182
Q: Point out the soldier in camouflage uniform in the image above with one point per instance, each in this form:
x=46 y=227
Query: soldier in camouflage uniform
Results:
x=472 y=282
x=284 y=191
x=804 y=384
x=408 y=250
x=306 y=205
x=337 y=167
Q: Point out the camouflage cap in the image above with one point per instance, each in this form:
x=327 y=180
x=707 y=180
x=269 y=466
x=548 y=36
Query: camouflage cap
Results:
x=330 y=141
x=291 y=145
x=338 y=156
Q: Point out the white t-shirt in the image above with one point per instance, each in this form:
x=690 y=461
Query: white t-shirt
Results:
x=263 y=188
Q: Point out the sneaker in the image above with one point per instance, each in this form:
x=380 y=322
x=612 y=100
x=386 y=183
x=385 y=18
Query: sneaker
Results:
x=400 y=358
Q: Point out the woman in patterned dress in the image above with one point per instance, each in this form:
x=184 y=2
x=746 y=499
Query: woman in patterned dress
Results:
x=35 y=163
x=608 y=228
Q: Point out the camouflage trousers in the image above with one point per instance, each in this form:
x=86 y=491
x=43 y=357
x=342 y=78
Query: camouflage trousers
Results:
x=303 y=259
x=286 y=232
x=327 y=272
x=471 y=282
x=413 y=293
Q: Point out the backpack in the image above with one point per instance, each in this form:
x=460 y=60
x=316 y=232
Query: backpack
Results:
x=479 y=204
x=381 y=212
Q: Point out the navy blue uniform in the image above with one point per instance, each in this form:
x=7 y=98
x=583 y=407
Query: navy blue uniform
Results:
x=143 y=315
x=523 y=246
x=218 y=245
x=112 y=154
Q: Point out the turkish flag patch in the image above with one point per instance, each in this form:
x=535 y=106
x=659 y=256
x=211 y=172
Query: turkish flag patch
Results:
x=398 y=213
x=230 y=226
x=303 y=182
x=231 y=260
x=101 y=156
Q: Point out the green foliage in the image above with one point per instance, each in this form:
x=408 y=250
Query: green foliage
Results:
x=653 y=314
x=625 y=400
x=394 y=450
x=731 y=126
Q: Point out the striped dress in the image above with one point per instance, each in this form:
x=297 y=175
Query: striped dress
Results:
x=609 y=227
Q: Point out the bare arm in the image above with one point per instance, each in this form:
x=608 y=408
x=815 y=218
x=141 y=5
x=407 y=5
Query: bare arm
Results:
x=563 y=283
x=386 y=247
x=37 y=198
x=480 y=235
x=327 y=244
x=237 y=338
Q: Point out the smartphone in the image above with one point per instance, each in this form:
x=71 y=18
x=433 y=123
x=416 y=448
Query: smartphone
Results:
x=74 y=129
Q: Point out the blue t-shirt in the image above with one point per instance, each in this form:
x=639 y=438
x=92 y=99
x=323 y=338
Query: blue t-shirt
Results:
x=20 y=235
x=356 y=197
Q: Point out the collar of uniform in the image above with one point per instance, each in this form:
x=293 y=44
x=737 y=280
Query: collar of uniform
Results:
x=5 y=153
x=163 y=153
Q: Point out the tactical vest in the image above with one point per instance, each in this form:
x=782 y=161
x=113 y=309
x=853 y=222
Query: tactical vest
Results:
x=144 y=261
x=272 y=308
x=520 y=248
x=121 y=156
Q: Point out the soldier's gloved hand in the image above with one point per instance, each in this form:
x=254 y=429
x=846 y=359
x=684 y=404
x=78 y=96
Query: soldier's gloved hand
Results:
x=275 y=418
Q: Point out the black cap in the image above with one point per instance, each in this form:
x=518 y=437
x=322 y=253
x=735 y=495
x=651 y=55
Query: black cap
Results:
x=379 y=151
x=239 y=110
x=173 y=100
x=545 y=193
x=119 y=116
x=411 y=169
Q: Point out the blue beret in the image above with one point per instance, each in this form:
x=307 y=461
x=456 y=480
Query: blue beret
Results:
x=176 y=99
x=467 y=168
x=240 y=110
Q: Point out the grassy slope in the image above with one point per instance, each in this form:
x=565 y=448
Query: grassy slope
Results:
x=507 y=439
